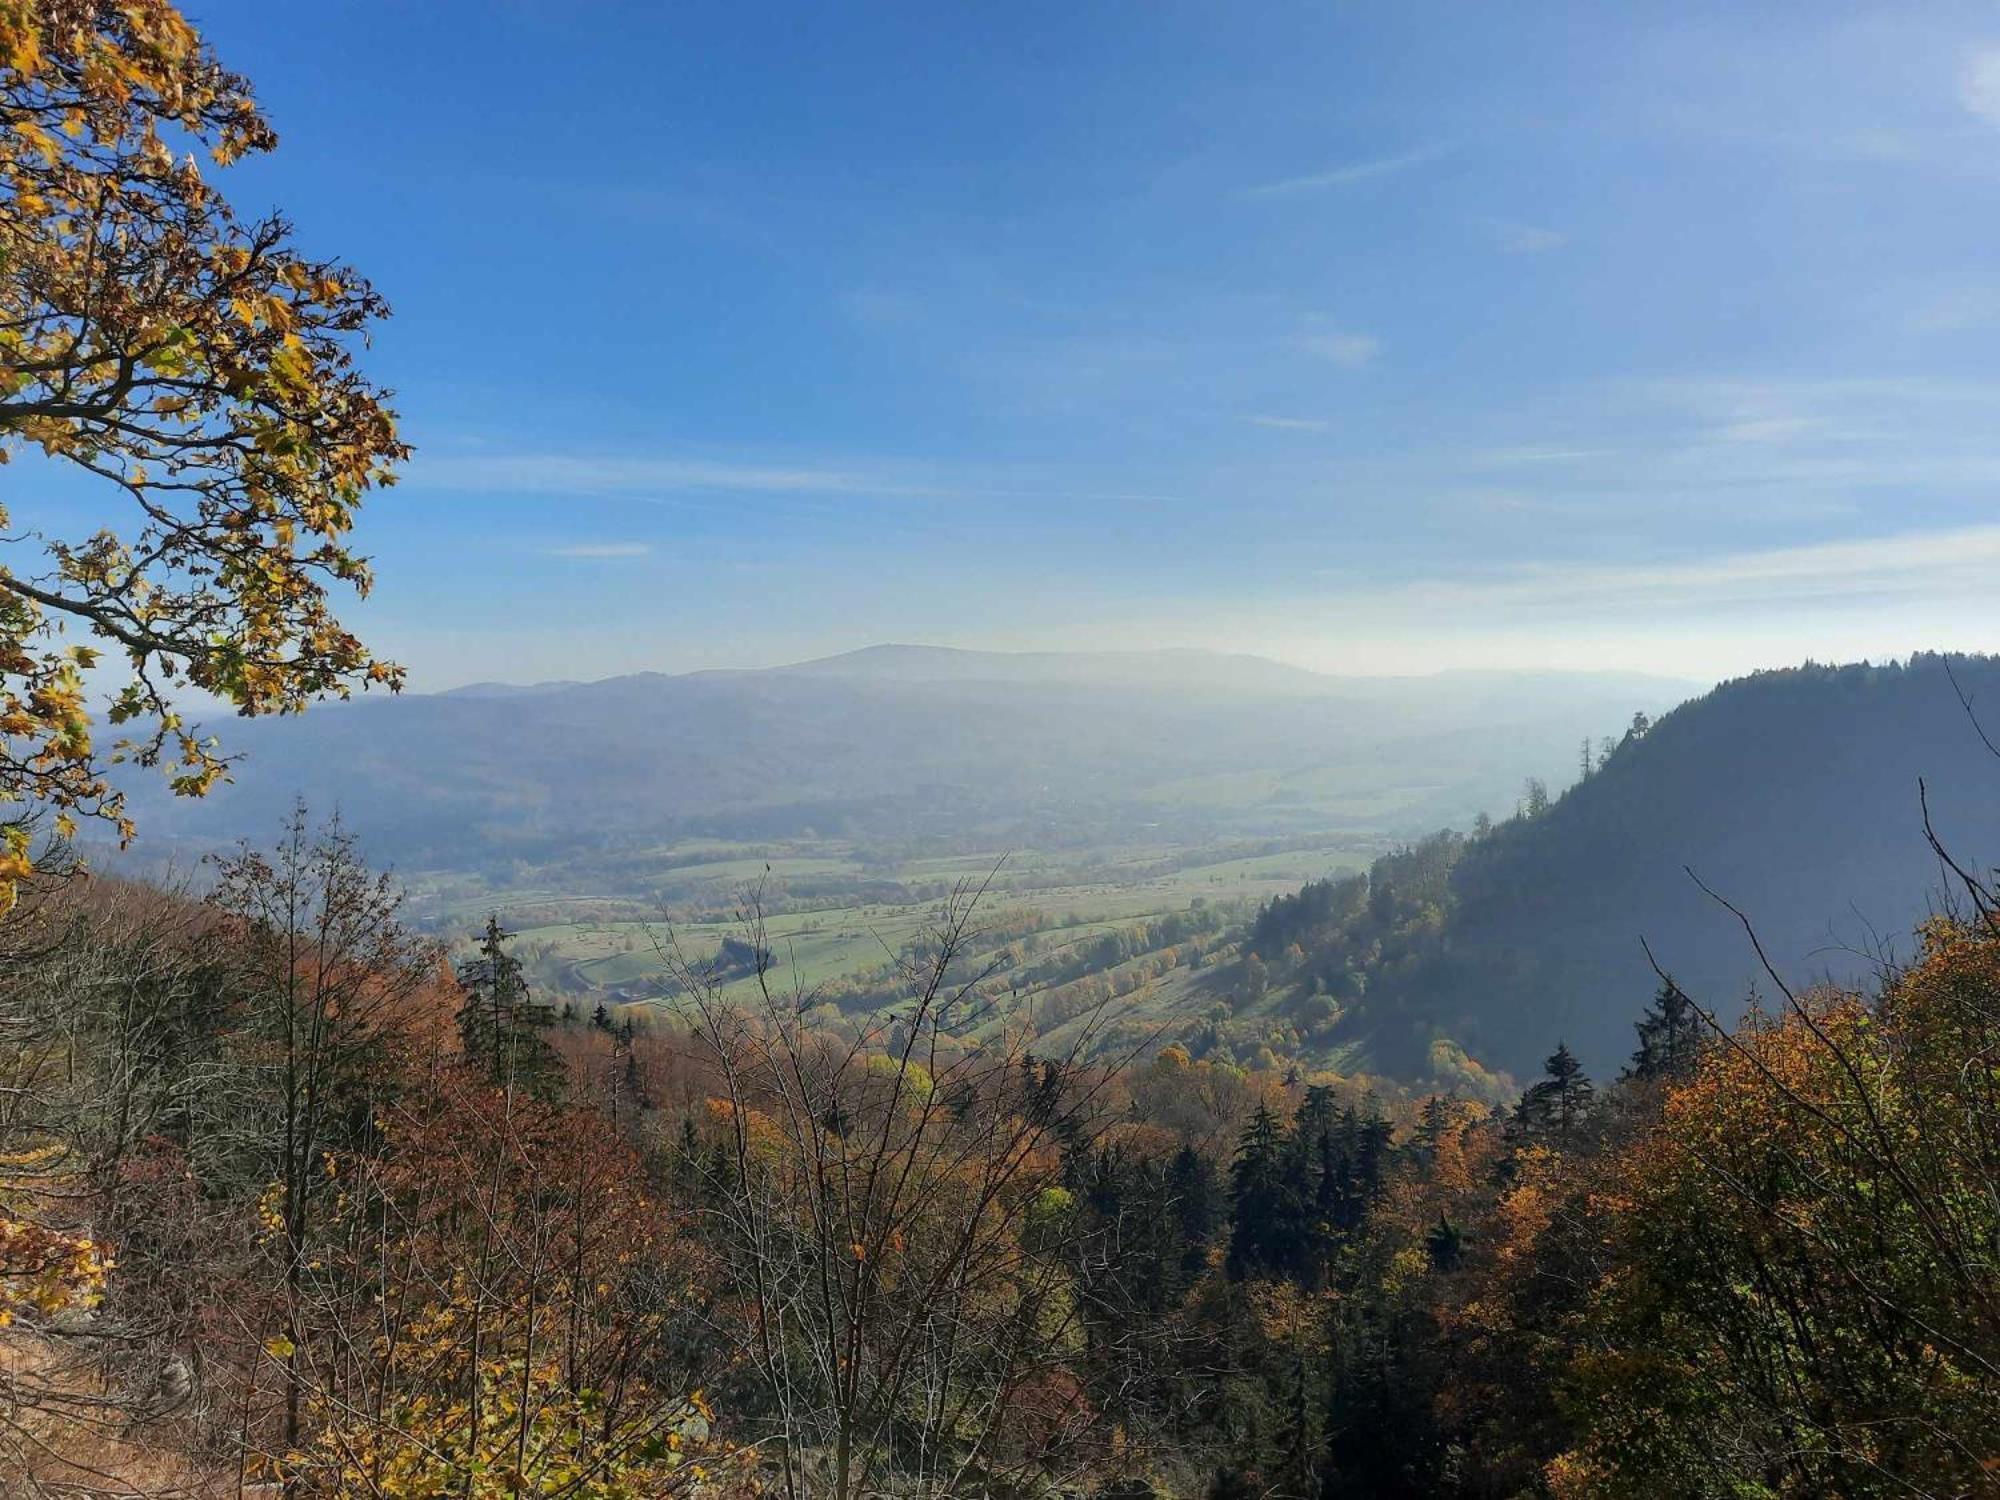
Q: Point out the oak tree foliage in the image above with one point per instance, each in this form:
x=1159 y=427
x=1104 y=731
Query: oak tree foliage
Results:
x=199 y=371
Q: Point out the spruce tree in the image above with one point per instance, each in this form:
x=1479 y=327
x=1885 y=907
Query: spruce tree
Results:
x=635 y=1081
x=1192 y=1192
x=1372 y=1143
x=1556 y=1105
x=1445 y=1244
x=1433 y=1124
x=501 y=1025
x=1670 y=1036
x=1257 y=1193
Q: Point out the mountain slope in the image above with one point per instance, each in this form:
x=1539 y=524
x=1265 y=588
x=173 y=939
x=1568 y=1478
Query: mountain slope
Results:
x=1793 y=794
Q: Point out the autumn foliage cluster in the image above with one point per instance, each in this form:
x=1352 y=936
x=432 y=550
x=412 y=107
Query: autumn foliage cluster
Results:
x=291 y=1201
x=262 y=1208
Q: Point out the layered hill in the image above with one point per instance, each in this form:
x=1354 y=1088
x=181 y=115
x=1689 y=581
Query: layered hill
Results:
x=1791 y=794
x=900 y=742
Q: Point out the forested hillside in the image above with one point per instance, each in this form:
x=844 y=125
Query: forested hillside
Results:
x=1792 y=794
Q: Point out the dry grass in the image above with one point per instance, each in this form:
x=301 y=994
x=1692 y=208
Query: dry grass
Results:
x=64 y=1435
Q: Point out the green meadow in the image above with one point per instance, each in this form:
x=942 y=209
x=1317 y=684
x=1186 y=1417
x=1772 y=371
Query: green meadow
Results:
x=832 y=912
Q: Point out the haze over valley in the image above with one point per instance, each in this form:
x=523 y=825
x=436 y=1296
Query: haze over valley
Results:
x=925 y=749
x=1097 y=793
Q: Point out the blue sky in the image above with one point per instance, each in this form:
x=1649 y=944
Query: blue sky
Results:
x=1379 y=338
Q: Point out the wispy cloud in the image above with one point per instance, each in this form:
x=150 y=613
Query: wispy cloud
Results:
x=1525 y=239
x=1930 y=565
x=602 y=550
x=1925 y=563
x=1351 y=350
x=1979 y=84
x=1534 y=453
x=1777 y=429
x=1898 y=429
x=1913 y=390
x=646 y=479
x=1352 y=172
x=571 y=474
x=1287 y=424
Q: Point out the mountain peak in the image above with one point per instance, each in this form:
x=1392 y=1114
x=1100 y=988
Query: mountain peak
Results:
x=1157 y=668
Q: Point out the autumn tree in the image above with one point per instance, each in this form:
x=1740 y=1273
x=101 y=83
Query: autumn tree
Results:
x=98 y=985
x=517 y=1301
x=329 y=980
x=892 y=1209
x=201 y=371
x=1803 y=1294
x=255 y=1211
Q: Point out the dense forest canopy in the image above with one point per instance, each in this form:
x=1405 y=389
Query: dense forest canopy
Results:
x=292 y=1200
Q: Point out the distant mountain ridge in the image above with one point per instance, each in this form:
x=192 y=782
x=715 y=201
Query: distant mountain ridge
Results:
x=508 y=689
x=974 y=749
x=1239 y=672
x=1234 y=671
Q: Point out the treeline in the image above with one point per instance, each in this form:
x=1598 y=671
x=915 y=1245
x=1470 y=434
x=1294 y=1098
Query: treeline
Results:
x=1367 y=958
x=1114 y=946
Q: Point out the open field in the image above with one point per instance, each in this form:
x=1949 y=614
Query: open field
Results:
x=833 y=914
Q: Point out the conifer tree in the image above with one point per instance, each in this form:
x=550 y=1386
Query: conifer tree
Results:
x=1433 y=1124
x=1316 y=1185
x=1191 y=1190
x=1342 y=1195
x=1557 y=1104
x=635 y=1080
x=1373 y=1140
x=1312 y=1125
x=501 y=1025
x=1445 y=1244
x=1670 y=1034
x=1534 y=797
x=1257 y=1198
